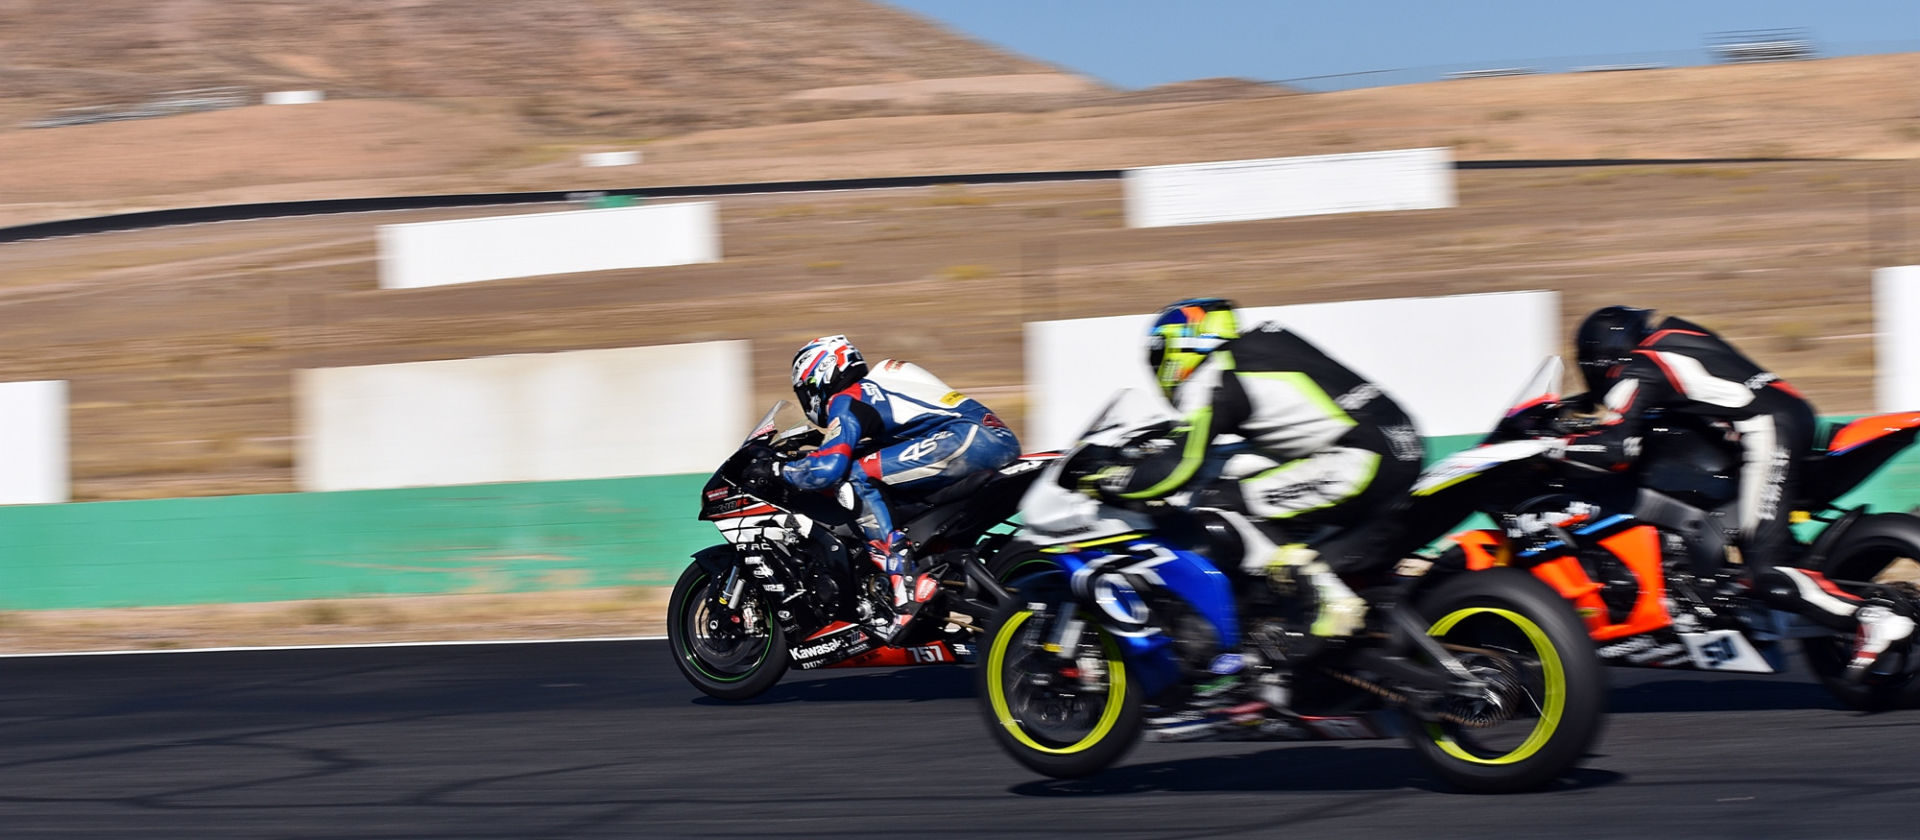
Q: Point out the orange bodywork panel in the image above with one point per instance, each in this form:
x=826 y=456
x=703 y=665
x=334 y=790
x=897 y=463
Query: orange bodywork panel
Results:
x=1484 y=549
x=1868 y=428
x=1638 y=548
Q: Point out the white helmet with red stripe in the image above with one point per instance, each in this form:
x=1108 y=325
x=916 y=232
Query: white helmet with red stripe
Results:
x=825 y=366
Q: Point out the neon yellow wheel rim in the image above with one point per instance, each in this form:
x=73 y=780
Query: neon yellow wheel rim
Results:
x=997 y=691
x=1556 y=688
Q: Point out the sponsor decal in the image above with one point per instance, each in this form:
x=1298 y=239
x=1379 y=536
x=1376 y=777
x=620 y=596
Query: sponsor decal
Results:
x=716 y=494
x=1717 y=652
x=1760 y=380
x=1227 y=663
x=822 y=649
x=1662 y=652
x=1364 y=393
x=920 y=448
x=924 y=588
x=1404 y=441
x=1022 y=466
x=953 y=398
x=1619 y=649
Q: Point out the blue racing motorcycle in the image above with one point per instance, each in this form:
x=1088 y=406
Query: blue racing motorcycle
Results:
x=1124 y=623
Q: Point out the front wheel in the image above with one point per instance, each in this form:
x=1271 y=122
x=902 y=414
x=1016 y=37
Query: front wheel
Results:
x=1064 y=714
x=730 y=652
x=1880 y=548
x=1545 y=695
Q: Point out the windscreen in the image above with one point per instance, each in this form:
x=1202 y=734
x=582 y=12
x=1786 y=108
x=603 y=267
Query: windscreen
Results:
x=1542 y=386
x=768 y=425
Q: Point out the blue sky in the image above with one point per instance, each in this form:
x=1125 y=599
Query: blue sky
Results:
x=1140 y=43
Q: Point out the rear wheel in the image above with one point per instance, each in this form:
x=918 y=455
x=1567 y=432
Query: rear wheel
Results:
x=1064 y=714
x=1545 y=695
x=1882 y=548
x=732 y=652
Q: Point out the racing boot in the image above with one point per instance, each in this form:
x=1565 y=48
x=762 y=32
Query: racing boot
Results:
x=910 y=590
x=1338 y=611
x=1885 y=634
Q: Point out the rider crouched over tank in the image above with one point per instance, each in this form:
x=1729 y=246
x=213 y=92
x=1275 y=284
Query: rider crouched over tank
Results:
x=1635 y=370
x=893 y=428
x=1323 y=450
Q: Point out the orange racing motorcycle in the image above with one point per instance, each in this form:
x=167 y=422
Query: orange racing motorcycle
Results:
x=1645 y=555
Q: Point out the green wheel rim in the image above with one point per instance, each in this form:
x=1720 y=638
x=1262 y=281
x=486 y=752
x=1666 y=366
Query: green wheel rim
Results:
x=687 y=633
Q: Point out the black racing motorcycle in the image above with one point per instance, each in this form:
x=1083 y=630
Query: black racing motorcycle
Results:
x=791 y=587
x=1646 y=554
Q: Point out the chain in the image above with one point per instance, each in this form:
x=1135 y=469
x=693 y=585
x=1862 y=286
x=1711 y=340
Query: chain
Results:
x=1401 y=699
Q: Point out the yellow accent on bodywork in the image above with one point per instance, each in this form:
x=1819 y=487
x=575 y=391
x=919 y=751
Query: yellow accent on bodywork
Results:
x=1076 y=546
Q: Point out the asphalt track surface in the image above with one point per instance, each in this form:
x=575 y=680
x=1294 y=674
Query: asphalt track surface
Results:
x=604 y=740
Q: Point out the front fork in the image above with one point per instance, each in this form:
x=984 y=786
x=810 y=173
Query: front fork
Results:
x=1085 y=671
x=728 y=617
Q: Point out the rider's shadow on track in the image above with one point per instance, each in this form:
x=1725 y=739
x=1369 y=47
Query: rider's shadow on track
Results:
x=1300 y=768
x=910 y=684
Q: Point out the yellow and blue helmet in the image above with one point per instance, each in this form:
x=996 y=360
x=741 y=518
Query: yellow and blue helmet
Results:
x=1184 y=334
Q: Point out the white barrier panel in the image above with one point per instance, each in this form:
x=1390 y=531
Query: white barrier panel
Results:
x=293 y=97
x=33 y=443
x=496 y=248
x=1452 y=362
x=609 y=158
x=1241 y=190
x=537 y=417
x=1896 y=344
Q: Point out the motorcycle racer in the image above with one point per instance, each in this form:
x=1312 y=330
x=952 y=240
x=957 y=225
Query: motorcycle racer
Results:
x=1326 y=449
x=895 y=426
x=1632 y=369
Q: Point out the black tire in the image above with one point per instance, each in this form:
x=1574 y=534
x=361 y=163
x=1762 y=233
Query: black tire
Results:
x=1553 y=666
x=1097 y=734
x=1863 y=553
x=734 y=669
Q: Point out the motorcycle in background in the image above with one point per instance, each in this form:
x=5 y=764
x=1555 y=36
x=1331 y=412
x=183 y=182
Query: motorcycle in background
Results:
x=1644 y=554
x=791 y=586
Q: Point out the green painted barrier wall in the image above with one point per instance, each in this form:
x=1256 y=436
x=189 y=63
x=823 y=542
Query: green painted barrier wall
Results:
x=476 y=538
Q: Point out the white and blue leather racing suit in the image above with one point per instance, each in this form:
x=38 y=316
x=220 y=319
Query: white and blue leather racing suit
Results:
x=900 y=427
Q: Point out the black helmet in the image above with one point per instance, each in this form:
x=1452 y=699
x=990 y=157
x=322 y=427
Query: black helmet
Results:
x=1606 y=341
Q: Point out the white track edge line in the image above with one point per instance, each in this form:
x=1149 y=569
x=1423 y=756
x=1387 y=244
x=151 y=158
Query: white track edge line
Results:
x=244 y=649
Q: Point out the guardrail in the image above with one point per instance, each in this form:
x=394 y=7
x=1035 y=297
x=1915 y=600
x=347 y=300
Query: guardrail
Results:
x=328 y=206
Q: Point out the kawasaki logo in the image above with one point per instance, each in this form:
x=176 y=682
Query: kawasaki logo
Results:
x=821 y=649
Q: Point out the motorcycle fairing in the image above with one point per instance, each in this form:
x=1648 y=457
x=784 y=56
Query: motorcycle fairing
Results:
x=1471 y=462
x=1867 y=429
x=1856 y=451
x=1634 y=543
x=1105 y=580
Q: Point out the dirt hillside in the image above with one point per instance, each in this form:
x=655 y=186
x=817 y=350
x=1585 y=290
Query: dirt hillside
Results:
x=649 y=66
